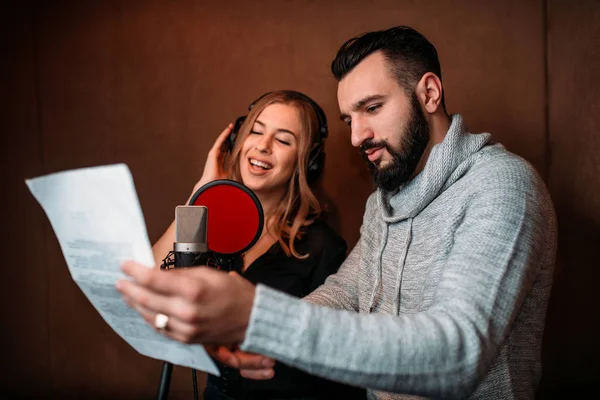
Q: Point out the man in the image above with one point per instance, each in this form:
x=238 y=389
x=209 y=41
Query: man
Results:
x=446 y=291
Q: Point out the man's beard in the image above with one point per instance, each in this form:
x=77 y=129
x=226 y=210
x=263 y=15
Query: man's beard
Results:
x=405 y=158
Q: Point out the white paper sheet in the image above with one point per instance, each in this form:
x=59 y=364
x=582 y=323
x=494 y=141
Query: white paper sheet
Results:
x=97 y=218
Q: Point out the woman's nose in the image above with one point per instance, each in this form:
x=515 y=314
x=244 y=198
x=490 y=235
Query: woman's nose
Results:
x=263 y=145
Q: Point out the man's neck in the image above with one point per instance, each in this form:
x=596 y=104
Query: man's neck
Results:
x=439 y=124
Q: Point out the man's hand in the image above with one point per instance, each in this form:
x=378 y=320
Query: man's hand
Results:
x=203 y=305
x=251 y=366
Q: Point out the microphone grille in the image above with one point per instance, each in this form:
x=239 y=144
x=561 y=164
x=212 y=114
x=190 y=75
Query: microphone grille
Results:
x=191 y=224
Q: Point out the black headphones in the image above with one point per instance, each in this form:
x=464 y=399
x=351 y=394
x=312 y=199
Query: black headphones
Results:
x=316 y=158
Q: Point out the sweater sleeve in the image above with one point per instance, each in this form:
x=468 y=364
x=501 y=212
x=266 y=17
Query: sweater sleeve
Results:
x=445 y=350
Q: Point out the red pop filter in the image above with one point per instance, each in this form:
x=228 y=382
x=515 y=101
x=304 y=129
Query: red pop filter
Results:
x=235 y=216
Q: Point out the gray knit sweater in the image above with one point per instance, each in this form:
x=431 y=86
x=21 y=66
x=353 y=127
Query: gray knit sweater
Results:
x=445 y=293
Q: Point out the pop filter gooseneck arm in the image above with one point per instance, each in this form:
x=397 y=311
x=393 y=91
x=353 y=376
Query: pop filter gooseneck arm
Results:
x=235 y=223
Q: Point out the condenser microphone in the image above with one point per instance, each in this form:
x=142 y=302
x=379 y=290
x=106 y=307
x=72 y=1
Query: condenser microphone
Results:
x=191 y=246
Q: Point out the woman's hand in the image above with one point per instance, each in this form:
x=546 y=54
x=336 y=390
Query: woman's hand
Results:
x=214 y=168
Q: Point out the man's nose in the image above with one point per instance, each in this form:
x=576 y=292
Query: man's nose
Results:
x=360 y=131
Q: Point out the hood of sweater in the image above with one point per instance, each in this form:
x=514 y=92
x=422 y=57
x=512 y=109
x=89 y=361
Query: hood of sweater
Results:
x=447 y=162
x=445 y=165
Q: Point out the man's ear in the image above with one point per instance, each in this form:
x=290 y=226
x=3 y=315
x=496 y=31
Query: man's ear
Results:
x=429 y=92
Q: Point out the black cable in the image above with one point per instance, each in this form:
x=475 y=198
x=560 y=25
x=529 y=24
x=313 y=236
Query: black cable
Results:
x=195 y=384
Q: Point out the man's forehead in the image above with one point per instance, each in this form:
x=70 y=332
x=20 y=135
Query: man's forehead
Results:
x=369 y=77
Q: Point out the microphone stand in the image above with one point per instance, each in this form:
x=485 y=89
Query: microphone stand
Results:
x=229 y=262
x=165 y=381
x=222 y=262
x=167 y=368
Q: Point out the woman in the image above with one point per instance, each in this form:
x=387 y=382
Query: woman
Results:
x=276 y=153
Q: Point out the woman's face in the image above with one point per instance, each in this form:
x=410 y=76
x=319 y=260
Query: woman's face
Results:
x=270 y=152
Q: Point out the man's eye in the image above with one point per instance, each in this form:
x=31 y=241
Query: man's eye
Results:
x=348 y=122
x=373 y=108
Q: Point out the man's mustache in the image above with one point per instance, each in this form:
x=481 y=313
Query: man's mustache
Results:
x=371 y=144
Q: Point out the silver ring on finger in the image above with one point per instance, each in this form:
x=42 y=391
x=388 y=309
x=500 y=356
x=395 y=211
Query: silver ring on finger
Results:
x=161 y=321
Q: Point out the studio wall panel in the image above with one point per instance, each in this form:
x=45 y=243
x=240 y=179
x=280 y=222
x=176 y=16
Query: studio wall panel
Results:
x=25 y=343
x=571 y=345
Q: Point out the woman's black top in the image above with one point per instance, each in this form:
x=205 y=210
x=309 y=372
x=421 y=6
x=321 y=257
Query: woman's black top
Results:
x=297 y=277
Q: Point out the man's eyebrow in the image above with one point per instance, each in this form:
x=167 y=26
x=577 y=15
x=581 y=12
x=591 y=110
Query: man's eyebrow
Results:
x=361 y=103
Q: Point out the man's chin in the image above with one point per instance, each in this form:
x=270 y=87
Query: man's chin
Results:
x=383 y=164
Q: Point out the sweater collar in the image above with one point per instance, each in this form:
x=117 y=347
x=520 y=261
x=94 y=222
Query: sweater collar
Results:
x=444 y=159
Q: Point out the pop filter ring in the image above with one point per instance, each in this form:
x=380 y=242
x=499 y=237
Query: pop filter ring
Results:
x=253 y=197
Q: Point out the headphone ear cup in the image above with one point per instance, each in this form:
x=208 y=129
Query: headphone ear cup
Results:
x=234 y=132
x=315 y=164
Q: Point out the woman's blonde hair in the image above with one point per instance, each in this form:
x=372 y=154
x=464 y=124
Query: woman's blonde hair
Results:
x=299 y=207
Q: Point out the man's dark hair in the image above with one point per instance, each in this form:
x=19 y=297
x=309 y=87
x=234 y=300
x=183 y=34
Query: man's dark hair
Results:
x=409 y=54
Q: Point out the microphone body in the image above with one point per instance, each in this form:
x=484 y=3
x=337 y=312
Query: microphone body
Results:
x=190 y=247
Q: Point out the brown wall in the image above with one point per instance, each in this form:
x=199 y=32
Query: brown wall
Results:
x=571 y=346
x=152 y=83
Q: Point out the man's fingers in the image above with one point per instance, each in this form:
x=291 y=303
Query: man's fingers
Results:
x=227 y=357
x=175 y=328
x=241 y=360
x=211 y=349
x=254 y=361
x=258 y=374
x=168 y=284
x=152 y=278
x=141 y=298
x=223 y=355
